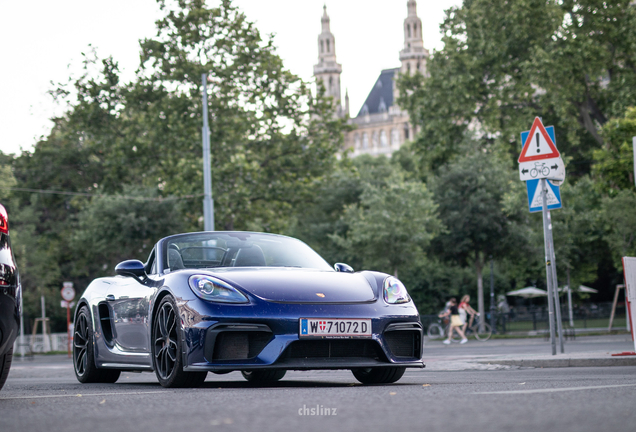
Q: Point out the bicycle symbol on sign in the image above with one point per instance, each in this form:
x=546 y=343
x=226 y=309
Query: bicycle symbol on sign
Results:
x=539 y=167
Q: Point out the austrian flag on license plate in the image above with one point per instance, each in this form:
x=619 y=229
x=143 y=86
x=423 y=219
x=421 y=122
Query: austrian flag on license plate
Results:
x=335 y=327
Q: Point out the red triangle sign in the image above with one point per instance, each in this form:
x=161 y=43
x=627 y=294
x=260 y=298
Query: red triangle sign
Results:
x=539 y=145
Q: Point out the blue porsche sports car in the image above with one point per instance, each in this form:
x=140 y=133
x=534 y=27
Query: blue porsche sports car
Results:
x=257 y=303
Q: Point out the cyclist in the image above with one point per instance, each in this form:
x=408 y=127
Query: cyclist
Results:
x=464 y=310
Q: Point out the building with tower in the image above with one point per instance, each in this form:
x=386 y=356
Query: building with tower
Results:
x=381 y=126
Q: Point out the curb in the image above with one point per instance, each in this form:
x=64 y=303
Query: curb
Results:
x=564 y=362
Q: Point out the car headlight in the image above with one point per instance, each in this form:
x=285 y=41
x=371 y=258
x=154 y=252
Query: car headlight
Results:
x=395 y=291
x=212 y=289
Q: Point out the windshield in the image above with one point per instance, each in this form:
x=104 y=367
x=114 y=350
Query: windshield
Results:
x=239 y=249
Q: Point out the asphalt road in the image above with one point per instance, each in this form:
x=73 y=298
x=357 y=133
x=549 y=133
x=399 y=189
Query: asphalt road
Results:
x=43 y=395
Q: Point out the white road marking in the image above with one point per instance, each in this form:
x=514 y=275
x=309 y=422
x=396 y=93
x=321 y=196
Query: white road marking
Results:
x=553 y=390
x=81 y=395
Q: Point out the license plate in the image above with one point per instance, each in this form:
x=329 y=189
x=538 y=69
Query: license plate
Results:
x=335 y=327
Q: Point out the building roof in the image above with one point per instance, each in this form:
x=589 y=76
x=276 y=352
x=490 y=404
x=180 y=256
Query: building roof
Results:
x=380 y=98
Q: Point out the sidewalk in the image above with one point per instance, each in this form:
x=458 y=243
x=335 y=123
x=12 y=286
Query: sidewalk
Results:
x=585 y=351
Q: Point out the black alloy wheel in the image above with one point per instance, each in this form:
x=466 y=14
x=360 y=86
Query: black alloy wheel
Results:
x=166 y=353
x=382 y=375
x=84 y=355
x=261 y=376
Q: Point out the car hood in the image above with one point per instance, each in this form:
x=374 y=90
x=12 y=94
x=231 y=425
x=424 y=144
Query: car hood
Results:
x=300 y=285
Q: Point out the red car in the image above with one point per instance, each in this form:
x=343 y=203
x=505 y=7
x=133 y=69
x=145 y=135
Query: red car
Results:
x=10 y=298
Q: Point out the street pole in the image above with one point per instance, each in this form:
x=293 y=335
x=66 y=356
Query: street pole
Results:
x=22 y=331
x=555 y=285
x=492 y=297
x=570 y=312
x=543 y=184
x=208 y=203
x=634 y=149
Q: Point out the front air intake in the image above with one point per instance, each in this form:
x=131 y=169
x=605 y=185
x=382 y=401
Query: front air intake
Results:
x=228 y=342
x=404 y=340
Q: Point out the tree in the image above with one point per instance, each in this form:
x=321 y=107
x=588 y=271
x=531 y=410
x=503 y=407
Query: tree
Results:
x=269 y=137
x=618 y=215
x=392 y=225
x=578 y=232
x=113 y=228
x=613 y=169
x=505 y=62
x=471 y=193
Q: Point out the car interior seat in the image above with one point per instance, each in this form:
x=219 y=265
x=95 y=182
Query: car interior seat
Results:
x=250 y=257
x=175 y=262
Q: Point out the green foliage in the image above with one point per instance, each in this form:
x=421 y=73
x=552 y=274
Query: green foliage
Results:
x=269 y=138
x=620 y=223
x=577 y=231
x=114 y=228
x=613 y=168
x=471 y=192
x=391 y=225
x=505 y=62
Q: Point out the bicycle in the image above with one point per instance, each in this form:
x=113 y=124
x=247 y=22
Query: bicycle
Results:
x=436 y=330
x=440 y=330
x=473 y=330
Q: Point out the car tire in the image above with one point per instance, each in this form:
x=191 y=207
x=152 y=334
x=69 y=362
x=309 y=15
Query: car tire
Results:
x=383 y=375
x=84 y=354
x=167 y=360
x=5 y=365
x=264 y=375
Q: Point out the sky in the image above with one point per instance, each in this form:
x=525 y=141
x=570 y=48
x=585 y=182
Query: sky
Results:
x=42 y=42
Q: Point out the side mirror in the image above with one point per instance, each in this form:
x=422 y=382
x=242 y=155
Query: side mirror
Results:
x=344 y=268
x=133 y=268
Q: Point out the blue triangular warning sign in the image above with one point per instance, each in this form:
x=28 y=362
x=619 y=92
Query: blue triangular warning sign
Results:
x=538 y=145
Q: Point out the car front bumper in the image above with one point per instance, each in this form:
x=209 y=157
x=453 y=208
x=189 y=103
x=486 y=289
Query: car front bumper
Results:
x=266 y=336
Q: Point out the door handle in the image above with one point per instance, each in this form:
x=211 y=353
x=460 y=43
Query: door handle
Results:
x=110 y=297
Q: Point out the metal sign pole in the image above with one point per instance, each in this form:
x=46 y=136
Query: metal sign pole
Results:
x=68 y=328
x=208 y=203
x=492 y=298
x=543 y=184
x=570 y=313
x=634 y=149
x=555 y=285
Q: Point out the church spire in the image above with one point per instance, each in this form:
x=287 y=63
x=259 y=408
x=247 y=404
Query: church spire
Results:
x=325 y=20
x=328 y=70
x=412 y=7
x=414 y=55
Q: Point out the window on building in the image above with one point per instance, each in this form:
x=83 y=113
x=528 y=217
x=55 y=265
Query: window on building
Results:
x=406 y=131
x=330 y=84
x=356 y=141
x=408 y=68
x=365 y=140
x=322 y=46
x=374 y=140
x=408 y=29
x=418 y=65
x=382 y=106
x=328 y=50
x=384 y=142
x=395 y=137
x=414 y=29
